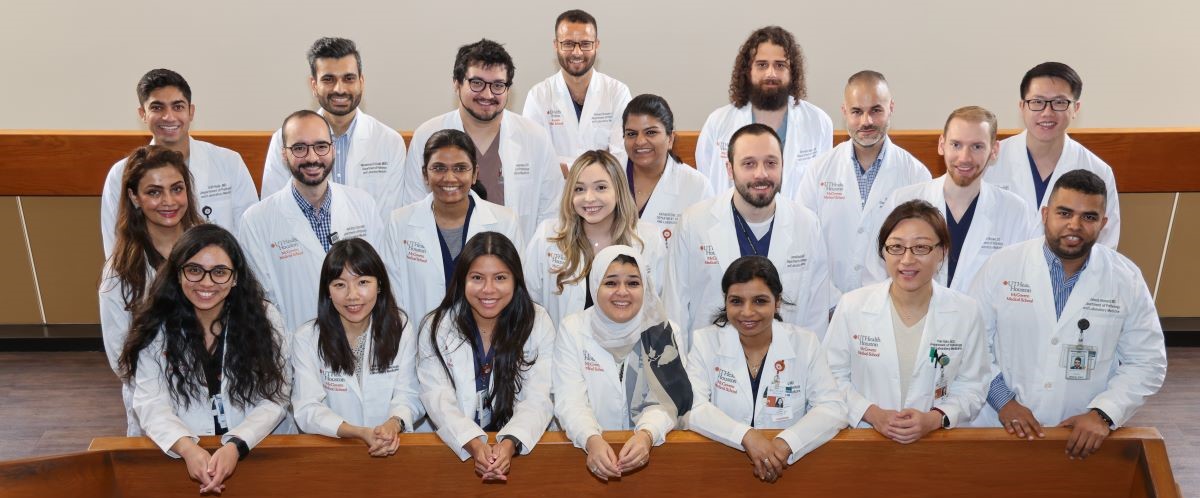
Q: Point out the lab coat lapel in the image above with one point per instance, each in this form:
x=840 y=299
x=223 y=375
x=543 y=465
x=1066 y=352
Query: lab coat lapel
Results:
x=879 y=322
x=510 y=154
x=981 y=227
x=721 y=232
x=1066 y=161
x=782 y=232
x=733 y=359
x=1037 y=274
x=566 y=107
x=364 y=128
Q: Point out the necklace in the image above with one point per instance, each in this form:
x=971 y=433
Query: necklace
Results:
x=754 y=366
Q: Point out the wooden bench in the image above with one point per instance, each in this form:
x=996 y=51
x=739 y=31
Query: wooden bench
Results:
x=858 y=462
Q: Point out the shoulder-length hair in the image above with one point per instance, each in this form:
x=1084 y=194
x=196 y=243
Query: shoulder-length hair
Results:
x=133 y=250
x=253 y=363
x=571 y=239
x=739 y=83
x=387 y=319
x=513 y=326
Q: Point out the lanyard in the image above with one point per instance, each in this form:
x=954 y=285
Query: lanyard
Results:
x=447 y=261
x=483 y=361
x=747 y=243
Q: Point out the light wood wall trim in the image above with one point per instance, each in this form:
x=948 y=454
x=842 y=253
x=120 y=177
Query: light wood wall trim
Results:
x=55 y=162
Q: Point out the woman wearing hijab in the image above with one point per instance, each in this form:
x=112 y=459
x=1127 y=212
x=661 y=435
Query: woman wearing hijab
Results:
x=617 y=367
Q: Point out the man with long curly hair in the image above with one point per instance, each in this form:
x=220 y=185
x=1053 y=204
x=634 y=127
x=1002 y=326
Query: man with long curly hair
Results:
x=768 y=87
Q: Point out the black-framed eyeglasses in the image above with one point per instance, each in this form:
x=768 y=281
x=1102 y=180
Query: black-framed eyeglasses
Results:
x=195 y=273
x=917 y=250
x=1040 y=104
x=571 y=45
x=458 y=169
x=300 y=151
x=498 y=87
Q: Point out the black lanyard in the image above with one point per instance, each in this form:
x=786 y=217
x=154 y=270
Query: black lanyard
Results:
x=483 y=361
x=747 y=243
x=447 y=261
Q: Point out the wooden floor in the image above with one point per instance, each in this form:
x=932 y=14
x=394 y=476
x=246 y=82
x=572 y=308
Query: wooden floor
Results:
x=57 y=402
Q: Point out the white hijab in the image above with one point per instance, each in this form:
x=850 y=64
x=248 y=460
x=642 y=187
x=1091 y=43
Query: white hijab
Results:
x=610 y=334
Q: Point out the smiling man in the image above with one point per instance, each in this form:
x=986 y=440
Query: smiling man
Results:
x=517 y=166
x=370 y=155
x=1037 y=157
x=287 y=235
x=1062 y=296
x=981 y=217
x=749 y=219
x=578 y=106
x=224 y=188
x=847 y=187
x=767 y=87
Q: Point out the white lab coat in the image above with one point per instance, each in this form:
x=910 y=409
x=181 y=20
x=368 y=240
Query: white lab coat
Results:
x=375 y=163
x=533 y=182
x=451 y=401
x=706 y=243
x=413 y=255
x=165 y=421
x=284 y=251
x=1017 y=299
x=861 y=349
x=1011 y=172
x=599 y=126
x=322 y=399
x=850 y=228
x=809 y=133
x=1001 y=219
x=542 y=257
x=114 y=328
x=223 y=187
x=723 y=406
x=589 y=395
x=679 y=187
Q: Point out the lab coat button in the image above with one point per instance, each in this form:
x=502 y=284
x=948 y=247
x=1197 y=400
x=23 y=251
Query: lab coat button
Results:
x=857 y=267
x=1049 y=385
x=860 y=229
x=1054 y=341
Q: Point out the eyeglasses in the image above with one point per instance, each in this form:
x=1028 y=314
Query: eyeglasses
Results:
x=195 y=273
x=570 y=46
x=1040 y=104
x=917 y=250
x=300 y=151
x=458 y=169
x=498 y=87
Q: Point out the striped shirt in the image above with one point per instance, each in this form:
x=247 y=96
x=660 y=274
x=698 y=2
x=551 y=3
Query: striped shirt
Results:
x=867 y=178
x=318 y=218
x=341 y=147
x=999 y=394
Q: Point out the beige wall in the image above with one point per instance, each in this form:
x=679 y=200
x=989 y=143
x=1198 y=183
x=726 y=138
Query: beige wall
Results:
x=73 y=64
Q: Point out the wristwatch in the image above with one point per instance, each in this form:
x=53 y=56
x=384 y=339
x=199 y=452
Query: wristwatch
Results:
x=399 y=423
x=1104 y=416
x=242 y=447
x=945 y=419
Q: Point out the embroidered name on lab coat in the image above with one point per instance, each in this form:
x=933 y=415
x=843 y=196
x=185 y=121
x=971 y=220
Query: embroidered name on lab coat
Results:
x=806 y=154
x=333 y=381
x=945 y=345
x=834 y=191
x=374 y=168
x=521 y=169
x=554 y=117
x=797 y=261
x=354 y=232
x=602 y=118
x=415 y=251
x=556 y=259
x=216 y=190
x=992 y=242
x=1112 y=306
x=1018 y=292
x=667 y=219
x=710 y=254
x=287 y=248
x=590 y=364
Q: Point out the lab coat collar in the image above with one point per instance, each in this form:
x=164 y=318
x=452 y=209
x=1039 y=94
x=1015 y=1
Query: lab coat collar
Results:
x=423 y=215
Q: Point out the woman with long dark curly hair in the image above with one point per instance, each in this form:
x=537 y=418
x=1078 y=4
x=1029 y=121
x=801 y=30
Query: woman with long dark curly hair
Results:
x=158 y=205
x=356 y=364
x=484 y=359
x=207 y=356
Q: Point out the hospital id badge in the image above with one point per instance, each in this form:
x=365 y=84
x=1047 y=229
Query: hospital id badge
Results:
x=483 y=413
x=778 y=401
x=218 y=412
x=1079 y=361
x=941 y=387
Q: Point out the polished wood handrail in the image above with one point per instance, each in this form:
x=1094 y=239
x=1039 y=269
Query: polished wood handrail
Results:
x=74 y=163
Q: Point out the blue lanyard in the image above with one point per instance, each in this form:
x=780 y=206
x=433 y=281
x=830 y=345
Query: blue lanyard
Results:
x=447 y=261
x=483 y=361
x=748 y=245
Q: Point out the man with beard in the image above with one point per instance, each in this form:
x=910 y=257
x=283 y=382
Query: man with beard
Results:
x=517 y=165
x=286 y=235
x=749 y=219
x=594 y=99
x=848 y=186
x=1035 y=158
x=981 y=217
x=1058 y=297
x=370 y=155
x=222 y=185
x=767 y=87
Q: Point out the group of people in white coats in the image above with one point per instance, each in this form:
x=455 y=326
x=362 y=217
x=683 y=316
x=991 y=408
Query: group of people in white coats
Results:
x=463 y=286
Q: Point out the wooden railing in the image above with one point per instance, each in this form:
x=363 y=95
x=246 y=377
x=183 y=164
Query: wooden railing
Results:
x=961 y=462
x=74 y=163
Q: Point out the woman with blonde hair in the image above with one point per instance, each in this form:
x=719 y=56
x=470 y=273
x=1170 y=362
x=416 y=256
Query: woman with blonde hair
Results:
x=597 y=211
